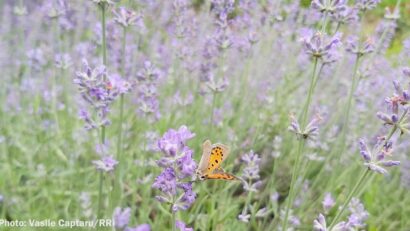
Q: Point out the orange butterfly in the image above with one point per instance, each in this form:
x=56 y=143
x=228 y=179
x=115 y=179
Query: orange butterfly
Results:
x=212 y=157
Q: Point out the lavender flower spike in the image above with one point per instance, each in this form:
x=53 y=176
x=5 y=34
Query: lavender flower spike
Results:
x=106 y=164
x=178 y=166
x=318 y=44
x=311 y=130
x=376 y=161
x=121 y=217
x=330 y=6
x=125 y=17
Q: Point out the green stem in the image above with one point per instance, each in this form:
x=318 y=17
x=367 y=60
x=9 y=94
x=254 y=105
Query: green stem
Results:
x=54 y=81
x=212 y=110
x=324 y=24
x=349 y=198
x=300 y=146
x=119 y=141
x=104 y=56
x=310 y=94
x=104 y=52
x=360 y=182
x=173 y=219
x=348 y=105
x=100 y=188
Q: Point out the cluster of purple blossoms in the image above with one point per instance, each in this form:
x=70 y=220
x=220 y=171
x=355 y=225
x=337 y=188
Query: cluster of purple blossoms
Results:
x=147 y=91
x=106 y=164
x=398 y=103
x=182 y=226
x=121 y=218
x=126 y=18
x=329 y=6
x=346 y=16
x=177 y=164
x=294 y=221
x=365 y=5
x=328 y=202
x=319 y=45
x=63 y=61
x=376 y=160
x=250 y=173
x=54 y=11
x=310 y=132
x=105 y=2
x=36 y=59
x=355 y=46
x=180 y=8
x=355 y=221
x=215 y=47
x=98 y=92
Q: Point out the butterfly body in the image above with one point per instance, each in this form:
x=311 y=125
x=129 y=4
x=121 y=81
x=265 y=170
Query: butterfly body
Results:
x=212 y=157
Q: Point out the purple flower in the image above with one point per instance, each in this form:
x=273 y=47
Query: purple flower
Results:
x=390 y=120
x=63 y=61
x=364 y=5
x=328 y=202
x=36 y=59
x=106 y=164
x=354 y=46
x=143 y=227
x=149 y=72
x=105 y=2
x=188 y=100
x=318 y=44
x=121 y=217
x=147 y=91
x=293 y=220
x=173 y=141
x=182 y=226
x=166 y=181
x=330 y=6
x=346 y=16
x=187 y=198
x=401 y=97
x=178 y=165
x=186 y=164
x=118 y=84
x=320 y=223
x=244 y=217
x=358 y=214
x=406 y=70
x=310 y=132
x=97 y=92
x=126 y=18
x=376 y=161
x=250 y=173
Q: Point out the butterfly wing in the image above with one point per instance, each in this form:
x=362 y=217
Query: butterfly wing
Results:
x=212 y=157
x=206 y=154
x=219 y=153
x=220 y=176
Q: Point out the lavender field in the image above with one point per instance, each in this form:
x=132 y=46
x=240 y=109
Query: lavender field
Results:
x=207 y=115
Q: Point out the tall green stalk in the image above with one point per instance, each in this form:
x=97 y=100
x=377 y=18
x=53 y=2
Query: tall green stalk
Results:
x=100 y=189
x=348 y=106
x=361 y=181
x=118 y=173
x=300 y=146
x=349 y=197
x=104 y=57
